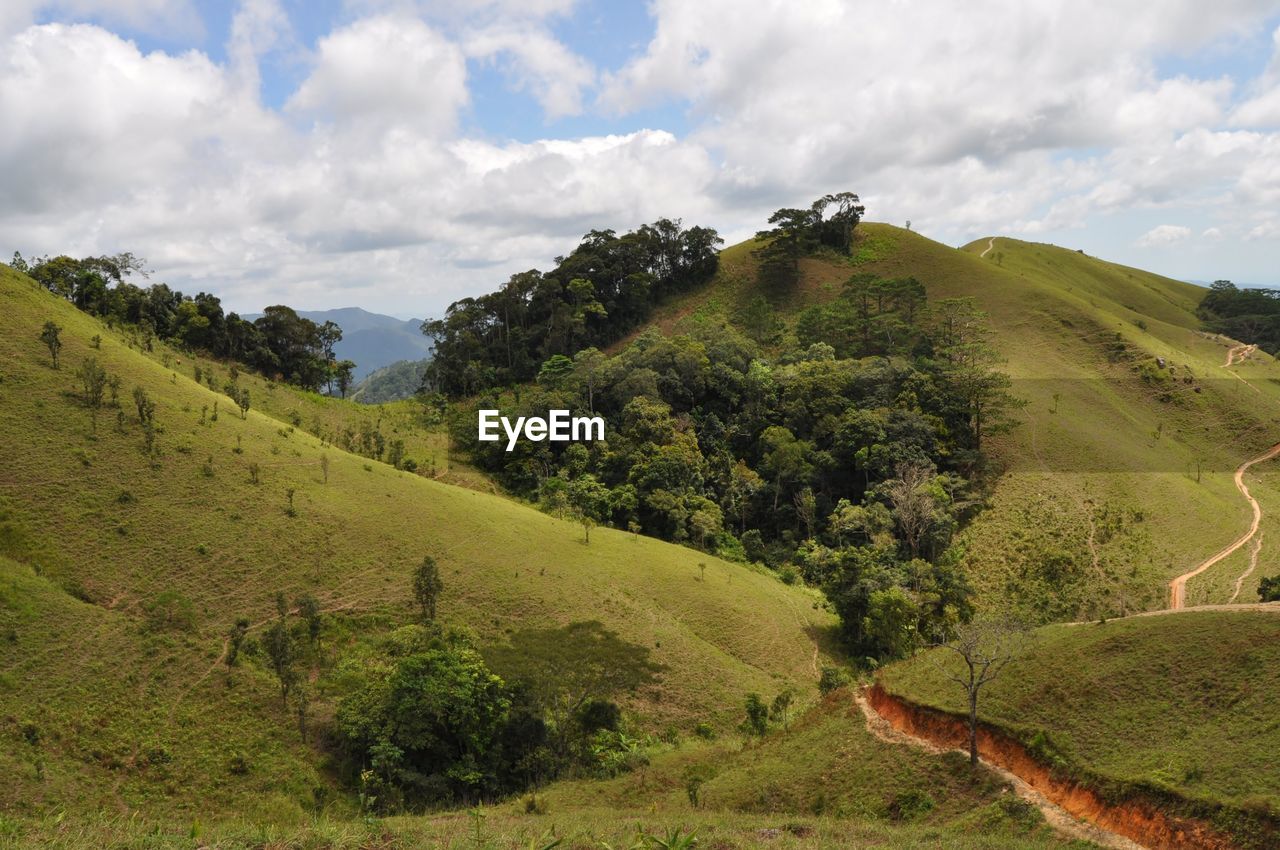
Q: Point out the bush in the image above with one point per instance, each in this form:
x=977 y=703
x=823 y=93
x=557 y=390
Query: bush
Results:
x=832 y=679
x=170 y=611
x=909 y=805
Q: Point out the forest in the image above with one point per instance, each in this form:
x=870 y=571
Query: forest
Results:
x=1250 y=315
x=845 y=453
x=281 y=345
x=605 y=287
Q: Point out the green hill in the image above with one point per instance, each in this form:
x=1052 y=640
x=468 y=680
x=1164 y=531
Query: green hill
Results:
x=1182 y=703
x=124 y=571
x=1119 y=475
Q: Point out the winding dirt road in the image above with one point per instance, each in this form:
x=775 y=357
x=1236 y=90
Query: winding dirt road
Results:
x=990 y=244
x=1178 y=587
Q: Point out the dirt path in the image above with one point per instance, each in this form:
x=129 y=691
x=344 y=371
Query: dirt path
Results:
x=1253 y=565
x=990 y=244
x=1057 y=817
x=1239 y=354
x=1178 y=587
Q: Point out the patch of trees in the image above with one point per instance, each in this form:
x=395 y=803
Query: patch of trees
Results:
x=827 y=223
x=1249 y=315
x=427 y=720
x=280 y=344
x=1269 y=589
x=607 y=286
x=846 y=457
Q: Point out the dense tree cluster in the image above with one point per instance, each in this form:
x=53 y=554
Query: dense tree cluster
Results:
x=827 y=223
x=840 y=449
x=845 y=457
x=428 y=720
x=604 y=288
x=1250 y=315
x=280 y=344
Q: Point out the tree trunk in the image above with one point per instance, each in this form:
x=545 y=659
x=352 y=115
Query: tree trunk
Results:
x=973 y=727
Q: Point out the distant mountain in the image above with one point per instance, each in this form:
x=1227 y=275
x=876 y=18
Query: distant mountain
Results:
x=391 y=383
x=371 y=340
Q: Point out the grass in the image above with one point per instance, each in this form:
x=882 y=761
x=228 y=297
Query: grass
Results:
x=96 y=533
x=1119 y=472
x=1183 y=702
x=824 y=782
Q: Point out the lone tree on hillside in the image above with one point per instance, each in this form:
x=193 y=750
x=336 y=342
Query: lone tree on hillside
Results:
x=984 y=647
x=309 y=610
x=280 y=652
x=93 y=380
x=49 y=336
x=427 y=587
x=234 y=639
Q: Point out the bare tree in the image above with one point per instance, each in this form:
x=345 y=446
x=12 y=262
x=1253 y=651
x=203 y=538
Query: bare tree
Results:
x=984 y=647
x=913 y=505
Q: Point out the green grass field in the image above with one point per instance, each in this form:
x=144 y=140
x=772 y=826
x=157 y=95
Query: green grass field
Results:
x=131 y=707
x=1184 y=702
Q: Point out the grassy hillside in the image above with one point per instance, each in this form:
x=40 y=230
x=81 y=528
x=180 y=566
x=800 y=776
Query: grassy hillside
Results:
x=124 y=571
x=824 y=782
x=1119 y=476
x=1182 y=701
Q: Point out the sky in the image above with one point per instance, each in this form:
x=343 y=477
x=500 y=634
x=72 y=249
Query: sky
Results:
x=400 y=154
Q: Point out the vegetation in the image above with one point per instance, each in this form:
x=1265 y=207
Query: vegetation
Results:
x=1167 y=703
x=279 y=343
x=175 y=656
x=1249 y=315
x=602 y=289
x=398 y=381
x=845 y=456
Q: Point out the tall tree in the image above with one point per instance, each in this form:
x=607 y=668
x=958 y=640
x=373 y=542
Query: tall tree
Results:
x=984 y=648
x=427 y=587
x=50 y=335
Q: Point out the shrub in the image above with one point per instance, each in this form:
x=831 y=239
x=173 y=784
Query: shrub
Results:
x=757 y=720
x=909 y=805
x=170 y=611
x=832 y=678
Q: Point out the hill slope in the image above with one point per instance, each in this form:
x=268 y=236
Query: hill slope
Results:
x=1181 y=703
x=1119 y=476
x=125 y=570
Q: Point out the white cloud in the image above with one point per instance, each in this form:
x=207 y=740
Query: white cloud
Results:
x=388 y=70
x=995 y=117
x=537 y=62
x=1163 y=236
x=173 y=17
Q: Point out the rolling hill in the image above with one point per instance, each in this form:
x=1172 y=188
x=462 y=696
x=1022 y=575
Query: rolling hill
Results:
x=124 y=569
x=1119 y=476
